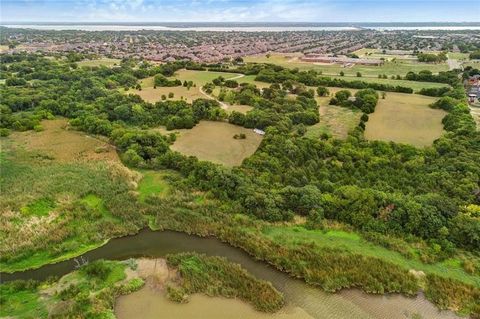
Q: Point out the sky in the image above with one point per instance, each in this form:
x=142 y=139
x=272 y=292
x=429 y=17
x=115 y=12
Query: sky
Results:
x=239 y=11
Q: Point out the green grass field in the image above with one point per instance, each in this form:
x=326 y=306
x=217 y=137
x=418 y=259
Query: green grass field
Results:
x=202 y=77
x=415 y=85
x=98 y=62
x=398 y=67
x=295 y=235
x=70 y=206
x=213 y=141
x=334 y=120
x=153 y=183
x=405 y=118
x=199 y=78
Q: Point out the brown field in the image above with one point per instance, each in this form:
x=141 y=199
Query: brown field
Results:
x=58 y=143
x=213 y=141
x=405 y=118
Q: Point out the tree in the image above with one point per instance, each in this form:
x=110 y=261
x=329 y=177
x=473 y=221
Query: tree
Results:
x=359 y=75
x=322 y=91
x=342 y=73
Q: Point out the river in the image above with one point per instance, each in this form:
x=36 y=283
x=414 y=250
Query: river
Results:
x=298 y=295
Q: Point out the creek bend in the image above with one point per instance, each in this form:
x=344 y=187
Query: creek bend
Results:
x=349 y=303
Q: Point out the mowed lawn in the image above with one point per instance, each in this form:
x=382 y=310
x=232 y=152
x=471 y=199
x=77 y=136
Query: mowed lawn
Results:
x=213 y=141
x=405 y=118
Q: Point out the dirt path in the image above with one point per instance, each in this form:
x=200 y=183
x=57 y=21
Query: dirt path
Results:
x=222 y=104
x=454 y=64
x=475 y=111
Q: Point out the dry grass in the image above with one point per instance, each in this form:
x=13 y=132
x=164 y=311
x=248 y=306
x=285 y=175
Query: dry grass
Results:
x=152 y=95
x=239 y=108
x=405 y=118
x=334 y=120
x=61 y=144
x=213 y=141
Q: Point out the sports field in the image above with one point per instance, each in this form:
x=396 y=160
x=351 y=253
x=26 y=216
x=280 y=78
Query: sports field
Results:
x=405 y=118
x=213 y=141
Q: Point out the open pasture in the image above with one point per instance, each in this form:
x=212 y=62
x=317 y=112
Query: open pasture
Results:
x=334 y=120
x=201 y=77
x=58 y=143
x=213 y=141
x=397 y=67
x=405 y=118
x=152 y=95
x=98 y=62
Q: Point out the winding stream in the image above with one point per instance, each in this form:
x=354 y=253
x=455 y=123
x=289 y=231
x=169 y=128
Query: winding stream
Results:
x=315 y=302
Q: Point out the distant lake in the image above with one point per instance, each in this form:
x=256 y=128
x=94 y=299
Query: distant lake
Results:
x=241 y=27
x=104 y=27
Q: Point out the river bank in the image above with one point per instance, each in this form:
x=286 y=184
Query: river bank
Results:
x=315 y=302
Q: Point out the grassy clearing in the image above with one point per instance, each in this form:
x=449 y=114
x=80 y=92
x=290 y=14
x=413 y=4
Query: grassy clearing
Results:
x=153 y=95
x=295 y=235
x=39 y=207
x=405 y=118
x=250 y=79
x=98 y=62
x=213 y=141
x=334 y=120
x=57 y=142
x=473 y=64
x=459 y=56
x=239 y=108
x=70 y=206
x=398 y=67
x=201 y=77
x=415 y=85
x=153 y=183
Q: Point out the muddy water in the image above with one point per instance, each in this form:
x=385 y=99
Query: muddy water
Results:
x=152 y=305
x=298 y=295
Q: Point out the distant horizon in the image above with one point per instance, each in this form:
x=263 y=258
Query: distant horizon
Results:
x=239 y=11
x=236 y=22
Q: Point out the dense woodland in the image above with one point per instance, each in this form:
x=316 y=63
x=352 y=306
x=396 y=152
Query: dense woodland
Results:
x=380 y=189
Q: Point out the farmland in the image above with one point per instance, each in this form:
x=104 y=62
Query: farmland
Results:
x=213 y=141
x=405 y=119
